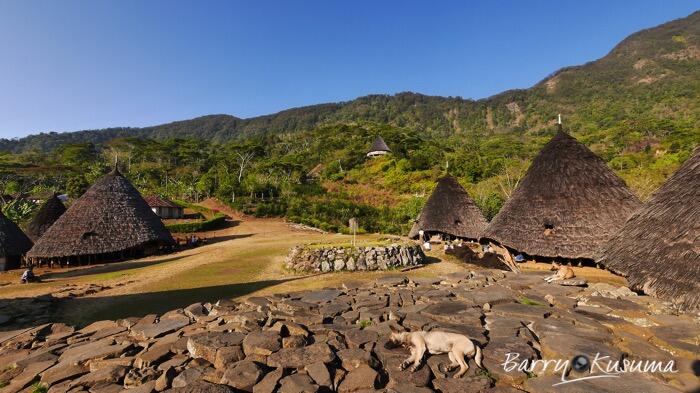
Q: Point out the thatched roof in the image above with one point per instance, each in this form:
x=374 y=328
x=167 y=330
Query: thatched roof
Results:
x=49 y=212
x=156 y=201
x=379 y=146
x=658 y=248
x=567 y=205
x=13 y=242
x=450 y=210
x=110 y=217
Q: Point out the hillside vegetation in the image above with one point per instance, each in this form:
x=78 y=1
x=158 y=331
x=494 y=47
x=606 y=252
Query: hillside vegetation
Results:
x=638 y=108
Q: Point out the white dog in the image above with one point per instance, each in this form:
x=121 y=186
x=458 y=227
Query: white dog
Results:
x=457 y=346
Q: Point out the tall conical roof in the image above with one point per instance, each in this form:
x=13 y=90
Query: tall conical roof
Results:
x=110 y=217
x=379 y=145
x=49 y=212
x=13 y=242
x=658 y=248
x=450 y=210
x=567 y=205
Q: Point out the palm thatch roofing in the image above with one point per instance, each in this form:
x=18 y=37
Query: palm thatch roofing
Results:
x=658 y=248
x=566 y=206
x=110 y=217
x=157 y=201
x=379 y=146
x=13 y=242
x=49 y=212
x=451 y=211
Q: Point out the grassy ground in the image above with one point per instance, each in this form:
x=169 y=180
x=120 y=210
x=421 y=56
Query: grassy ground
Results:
x=244 y=259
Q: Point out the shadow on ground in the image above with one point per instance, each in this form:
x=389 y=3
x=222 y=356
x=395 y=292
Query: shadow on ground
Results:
x=219 y=239
x=85 y=310
x=109 y=268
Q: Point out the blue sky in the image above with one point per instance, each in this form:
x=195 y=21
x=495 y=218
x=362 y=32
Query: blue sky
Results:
x=72 y=65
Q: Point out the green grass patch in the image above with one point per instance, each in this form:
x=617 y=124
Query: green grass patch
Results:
x=484 y=373
x=112 y=275
x=364 y=323
x=234 y=277
x=39 y=387
x=529 y=302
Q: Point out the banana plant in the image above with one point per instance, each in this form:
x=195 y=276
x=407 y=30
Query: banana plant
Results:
x=18 y=210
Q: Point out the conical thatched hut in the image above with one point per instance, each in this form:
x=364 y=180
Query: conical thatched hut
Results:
x=49 y=212
x=379 y=148
x=13 y=244
x=658 y=248
x=450 y=211
x=109 y=221
x=567 y=205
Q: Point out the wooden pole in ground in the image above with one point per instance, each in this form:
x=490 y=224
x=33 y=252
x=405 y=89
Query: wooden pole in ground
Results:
x=505 y=255
x=353 y=224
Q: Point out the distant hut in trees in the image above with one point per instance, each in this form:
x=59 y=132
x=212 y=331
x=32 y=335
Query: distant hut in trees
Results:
x=163 y=207
x=658 y=248
x=110 y=221
x=13 y=244
x=49 y=212
x=379 y=148
x=450 y=211
x=568 y=204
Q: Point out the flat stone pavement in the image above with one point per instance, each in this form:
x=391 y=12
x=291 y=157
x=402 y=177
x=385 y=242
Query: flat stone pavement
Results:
x=335 y=340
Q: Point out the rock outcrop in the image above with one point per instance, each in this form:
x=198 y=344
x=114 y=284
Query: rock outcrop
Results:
x=336 y=340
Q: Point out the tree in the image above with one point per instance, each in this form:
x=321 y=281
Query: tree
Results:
x=513 y=171
x=76 y=185
x=244 y=159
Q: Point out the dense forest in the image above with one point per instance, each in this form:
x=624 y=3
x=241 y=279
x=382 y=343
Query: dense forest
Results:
x=638 y=108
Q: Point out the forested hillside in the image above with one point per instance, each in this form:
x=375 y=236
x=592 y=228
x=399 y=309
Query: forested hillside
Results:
x=638 y=107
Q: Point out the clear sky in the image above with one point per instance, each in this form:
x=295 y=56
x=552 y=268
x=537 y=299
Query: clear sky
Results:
x=71 y=65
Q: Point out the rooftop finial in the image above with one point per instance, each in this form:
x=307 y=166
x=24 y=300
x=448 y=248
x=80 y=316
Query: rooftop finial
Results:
x=116 y=164
x=559 y=126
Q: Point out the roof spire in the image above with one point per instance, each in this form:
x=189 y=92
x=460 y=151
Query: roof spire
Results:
x=115 y=170
x=559 y=126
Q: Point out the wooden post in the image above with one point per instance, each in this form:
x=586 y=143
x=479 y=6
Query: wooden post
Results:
x=352 y=223
x=507 y=258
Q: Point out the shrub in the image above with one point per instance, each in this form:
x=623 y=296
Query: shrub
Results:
x=218 y=221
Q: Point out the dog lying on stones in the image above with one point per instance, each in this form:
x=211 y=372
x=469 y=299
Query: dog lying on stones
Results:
x=457 y=346
x=563 y=272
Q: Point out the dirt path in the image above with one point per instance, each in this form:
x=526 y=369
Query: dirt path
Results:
x=215 y=204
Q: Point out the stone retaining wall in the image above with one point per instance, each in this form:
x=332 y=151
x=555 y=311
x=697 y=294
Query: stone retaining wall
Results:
x=326 y=259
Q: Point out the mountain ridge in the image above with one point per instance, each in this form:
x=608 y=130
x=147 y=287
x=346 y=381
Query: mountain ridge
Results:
x=662 y=58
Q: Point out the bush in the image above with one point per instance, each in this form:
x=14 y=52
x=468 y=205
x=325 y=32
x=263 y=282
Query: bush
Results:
x=270 y=209
x=215 y=222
